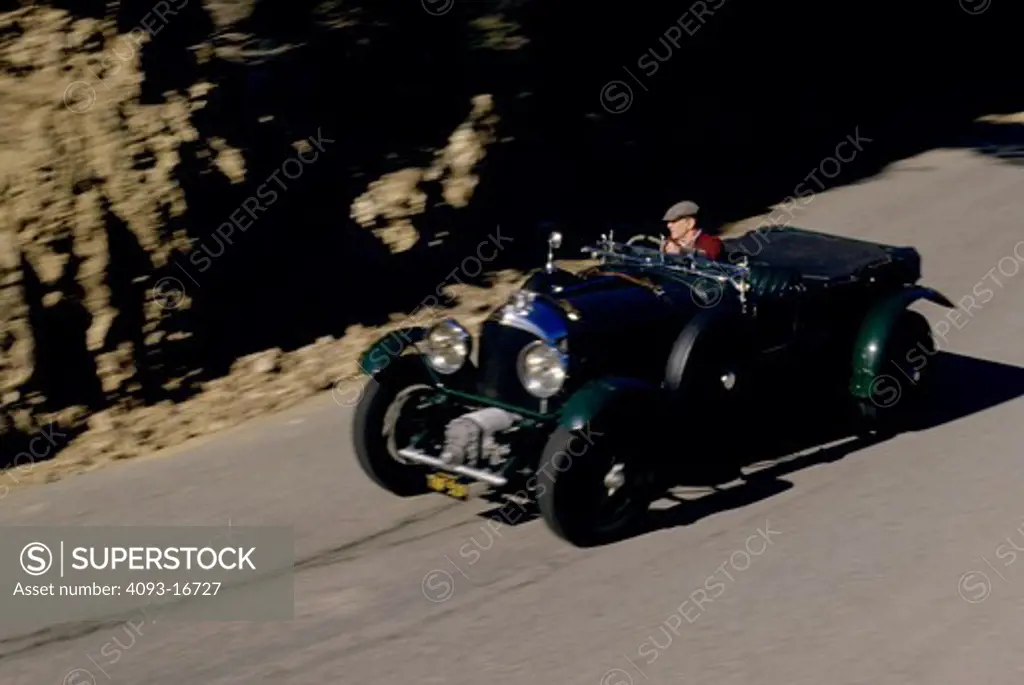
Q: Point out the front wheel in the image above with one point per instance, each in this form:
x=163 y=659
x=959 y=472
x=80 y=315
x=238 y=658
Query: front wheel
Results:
x=392 y=414
x=592 y=489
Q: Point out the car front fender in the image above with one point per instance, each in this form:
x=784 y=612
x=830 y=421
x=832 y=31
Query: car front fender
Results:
x=598 y=396
x=712 y=329
x=380 y=353
x=875 y=331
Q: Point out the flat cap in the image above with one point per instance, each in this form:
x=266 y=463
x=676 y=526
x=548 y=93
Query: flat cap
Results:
x=680 y=210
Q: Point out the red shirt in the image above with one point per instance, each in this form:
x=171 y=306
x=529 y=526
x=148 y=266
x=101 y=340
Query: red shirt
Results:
x=709 y=245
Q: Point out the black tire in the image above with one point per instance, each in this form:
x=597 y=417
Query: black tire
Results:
x=374 y=432
x=899 y=394
x=571 y=494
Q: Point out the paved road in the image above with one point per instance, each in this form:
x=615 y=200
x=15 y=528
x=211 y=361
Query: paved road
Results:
x=846 y=570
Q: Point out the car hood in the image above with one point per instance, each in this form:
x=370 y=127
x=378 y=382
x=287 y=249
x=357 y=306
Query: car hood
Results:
x=631 y=300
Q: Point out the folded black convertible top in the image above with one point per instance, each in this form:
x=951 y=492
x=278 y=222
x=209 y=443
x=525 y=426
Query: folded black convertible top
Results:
x=824 y=257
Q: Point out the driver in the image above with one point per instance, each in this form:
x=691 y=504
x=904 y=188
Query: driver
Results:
x=683 y=233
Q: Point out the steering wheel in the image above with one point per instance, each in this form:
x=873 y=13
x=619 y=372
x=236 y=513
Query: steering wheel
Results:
x=640 y=237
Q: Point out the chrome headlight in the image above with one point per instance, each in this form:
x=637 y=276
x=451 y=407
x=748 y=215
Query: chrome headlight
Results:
x=542 y=369
x=447 y=346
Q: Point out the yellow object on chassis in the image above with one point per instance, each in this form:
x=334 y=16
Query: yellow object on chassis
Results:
x=447 y=484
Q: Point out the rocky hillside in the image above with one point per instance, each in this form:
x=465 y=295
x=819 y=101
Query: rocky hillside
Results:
x=189 y=184
x=131 y=168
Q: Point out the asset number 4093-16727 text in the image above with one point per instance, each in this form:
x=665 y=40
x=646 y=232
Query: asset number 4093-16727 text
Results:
x=174 y=589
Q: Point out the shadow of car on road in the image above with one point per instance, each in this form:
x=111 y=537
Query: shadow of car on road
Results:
x=785 y=438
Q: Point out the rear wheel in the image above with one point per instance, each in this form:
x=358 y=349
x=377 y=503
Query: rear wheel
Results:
x=393 y=413
x=897 y=394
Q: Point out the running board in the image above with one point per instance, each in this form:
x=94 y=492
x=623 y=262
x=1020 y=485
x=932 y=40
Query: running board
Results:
x=476 y=474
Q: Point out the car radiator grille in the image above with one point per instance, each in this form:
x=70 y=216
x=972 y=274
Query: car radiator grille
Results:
x=499 y=352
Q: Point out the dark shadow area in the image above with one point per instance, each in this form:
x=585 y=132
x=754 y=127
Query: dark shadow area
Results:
x=964 y=386
x=24 y=450
x=126 y=277
x=734 y=111
x=757 y=486
x=509 y=513
x=63 y=371
x=167 y=61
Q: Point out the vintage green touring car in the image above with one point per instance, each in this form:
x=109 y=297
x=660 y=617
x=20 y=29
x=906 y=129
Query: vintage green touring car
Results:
x=573 y=386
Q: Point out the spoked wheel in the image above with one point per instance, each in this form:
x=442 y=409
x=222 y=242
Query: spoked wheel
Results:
x=593 y=489
x=394 y=412
x=899 y=392
x=405 y=422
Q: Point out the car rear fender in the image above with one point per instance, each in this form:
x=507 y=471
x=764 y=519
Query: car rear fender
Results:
x=380 y=353
x=598 y=397
x=875 y=331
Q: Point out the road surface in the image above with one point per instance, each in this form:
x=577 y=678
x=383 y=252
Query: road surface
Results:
x=848 y=568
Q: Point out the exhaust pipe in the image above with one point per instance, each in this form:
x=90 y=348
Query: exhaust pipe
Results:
x=476 y=474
